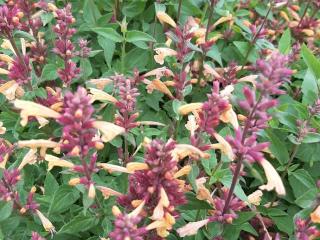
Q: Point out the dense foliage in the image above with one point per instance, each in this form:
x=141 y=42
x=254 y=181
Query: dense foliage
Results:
x=167 y=119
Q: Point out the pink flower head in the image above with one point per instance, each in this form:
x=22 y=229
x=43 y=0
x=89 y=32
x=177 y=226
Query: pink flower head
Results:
x=259 y=117
x=64 y=20
x=234 y=206
x=248 y=148
x=126 y=104
x=273 y=73
x=20 y=71
x=70 y=72
x=7 y=183
x=211 y=110
x=77 y=121
x=84 y=49
x=9 y=19
x=125 y=227
x=148 y=184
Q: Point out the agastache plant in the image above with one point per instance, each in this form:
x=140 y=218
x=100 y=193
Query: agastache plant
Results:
x=273 y=73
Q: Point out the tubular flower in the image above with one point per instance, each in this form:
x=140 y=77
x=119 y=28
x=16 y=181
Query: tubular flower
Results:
x=47 y=225
x=209 y=116
x=165 y=18
x=274 y=180
x=157 y=185
x=77 y=122
x=315 y=215
x=9 y=19
x=31 y=109
x=41 y=144
x=5 y=151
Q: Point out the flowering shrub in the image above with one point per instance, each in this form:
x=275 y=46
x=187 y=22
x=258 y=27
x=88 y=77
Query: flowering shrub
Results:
x=131 y=120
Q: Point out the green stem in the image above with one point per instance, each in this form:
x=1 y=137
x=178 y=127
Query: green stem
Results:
x=179 y=10
x=123 y=55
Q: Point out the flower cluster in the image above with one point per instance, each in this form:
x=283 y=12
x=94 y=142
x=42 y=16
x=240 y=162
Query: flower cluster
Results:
x=126 y=104
x=9 y=19
x=77 y=122
x=304 y=231
x=20 y=71
x=63 y=45
x=211 y=110
x=8 y=182
x=157 y=185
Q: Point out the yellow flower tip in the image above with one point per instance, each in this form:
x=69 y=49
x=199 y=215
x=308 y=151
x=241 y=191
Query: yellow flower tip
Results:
x=204 y=194
x=161 y=87
x=255 y=197
x=75 y=151
x=52 y=7
x=113 y=168
x=107 y=192
x=99 y=145
x=2 y=129
x=23 y=211
x=315 y=215
x=170 y=220
x=156 y=225
x=116 y=211
x=162 y=53
x=284 y=15
x=136 y=203
x=99 y=95
x=241 y=117
x=183 y=171
x=29 y=158
x=188 y=108
x=136 y=166
x=108 y=130
x=92 y=191
x=74 y=181
x=33 y=189
x=6 y=58
x=165 y=18
x=164 y=198
x=137 y=210
x=47 y=225
x=191 y=228
x=308 y=32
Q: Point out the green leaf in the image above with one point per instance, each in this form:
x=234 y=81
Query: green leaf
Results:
x=108 y=33
x=306 y=199
x=300 y=181
x=108 y=49
x=285 y=42
x=91 y=12
x=215 y=54
x=194 y=203
x=244 y=47
x=22 y=34
x=49 y=72
x=5 y=210
x=284 y=223
x=50 y=184
x=80 y=223
x=135 y=36
x=309 y=88
x=312 y=62
x=192 y=176
x=278 y=148
x=86 y=68
x=63 y=198
x=311 y=138
x=209 y=164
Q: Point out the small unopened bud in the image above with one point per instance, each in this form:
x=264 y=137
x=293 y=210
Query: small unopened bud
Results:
x=99 y=145
x=78 y=113
x=68 y=53
x=73 y=20
x=116 y=211
x=15 y=20
x=23 y=210
x=242 y=117
x=33 y=189
x=136 y=203
x=92 y=192
x=20 y=15
x=229 y=220
x=151 y=189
